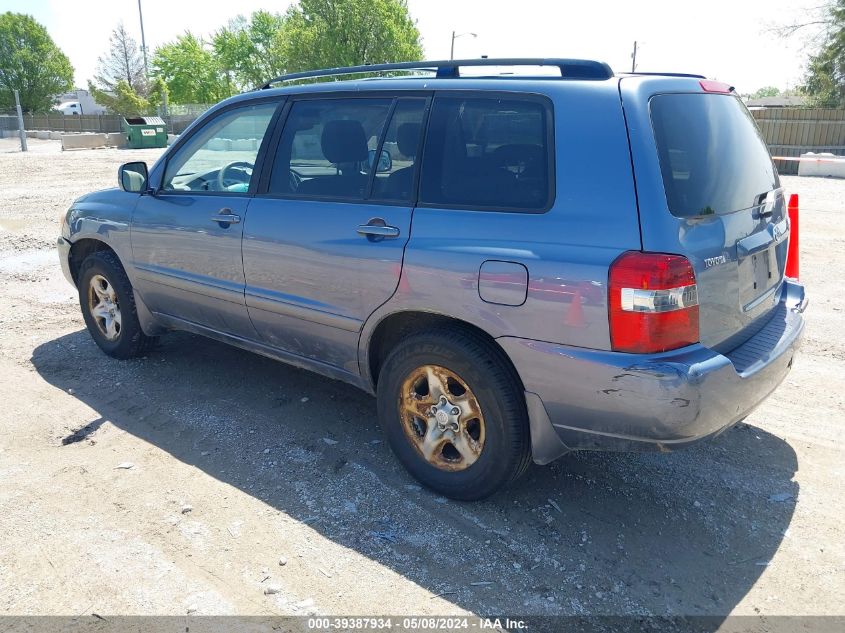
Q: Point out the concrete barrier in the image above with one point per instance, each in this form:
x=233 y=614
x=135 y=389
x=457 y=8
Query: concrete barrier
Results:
x=116 y=139
x=172 y=138
x=55 y=136
x=42 y=135
x=824 y=165
x=219 y=145
x=83 y=141
x=31 y=134
x=242 y=144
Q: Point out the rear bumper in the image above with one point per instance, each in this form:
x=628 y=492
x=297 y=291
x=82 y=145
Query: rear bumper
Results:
x=603 y=400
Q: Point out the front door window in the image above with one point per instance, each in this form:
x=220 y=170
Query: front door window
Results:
x=221 y=157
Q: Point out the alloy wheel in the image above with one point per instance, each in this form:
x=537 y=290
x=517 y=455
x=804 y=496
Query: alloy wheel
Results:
x=441 y=418
x=104 y=307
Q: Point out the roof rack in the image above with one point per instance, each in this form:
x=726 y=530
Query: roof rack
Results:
x=569 y=68
x=658 y=74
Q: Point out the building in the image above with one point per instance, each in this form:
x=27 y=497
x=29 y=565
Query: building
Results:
x=777 y=102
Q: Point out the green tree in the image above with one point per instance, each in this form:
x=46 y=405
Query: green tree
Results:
x=157 y=93
x=824 y=82
x=250 y=51
x=30 y=62
x=122 y=100
x=191 y=71
x=125 y=100
x=123 y=62
x=330 y=33
x=767 y=91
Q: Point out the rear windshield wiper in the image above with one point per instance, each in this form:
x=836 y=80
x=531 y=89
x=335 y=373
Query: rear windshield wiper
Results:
x=763 y=200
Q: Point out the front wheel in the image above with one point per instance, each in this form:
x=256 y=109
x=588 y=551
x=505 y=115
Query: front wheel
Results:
x=108 y=306
x=454 y=413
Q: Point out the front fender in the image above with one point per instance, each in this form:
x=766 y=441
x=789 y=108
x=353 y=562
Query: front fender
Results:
x=105 y=216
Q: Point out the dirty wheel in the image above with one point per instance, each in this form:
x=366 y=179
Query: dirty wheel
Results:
x=441 y=418
x=108 y=306
x=454 y=413
x=104 y=307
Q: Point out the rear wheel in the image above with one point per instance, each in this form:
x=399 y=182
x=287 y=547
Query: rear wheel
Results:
x=108 y=306
x=454 y=413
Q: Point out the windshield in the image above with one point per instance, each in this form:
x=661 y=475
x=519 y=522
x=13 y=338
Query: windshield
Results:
x=712 y=157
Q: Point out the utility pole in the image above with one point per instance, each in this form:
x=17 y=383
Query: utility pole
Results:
x=20 y=121
x=633 y=56
x=143 y=42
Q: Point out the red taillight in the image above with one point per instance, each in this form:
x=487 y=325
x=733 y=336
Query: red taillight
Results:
x=653 y=303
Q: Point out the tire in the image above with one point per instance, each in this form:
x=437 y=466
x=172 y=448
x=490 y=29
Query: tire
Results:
x=491 y=445
x=109 y=309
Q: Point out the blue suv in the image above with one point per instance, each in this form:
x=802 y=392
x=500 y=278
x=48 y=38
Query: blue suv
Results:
x=517 y=266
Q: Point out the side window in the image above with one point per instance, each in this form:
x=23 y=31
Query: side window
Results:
x=394 y=178
x=487 y=152
x=327 y=147
x=220 y=156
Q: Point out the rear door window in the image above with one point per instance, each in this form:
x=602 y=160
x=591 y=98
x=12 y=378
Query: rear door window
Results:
x=394 y=176
x=712 y=157
x=487 y=153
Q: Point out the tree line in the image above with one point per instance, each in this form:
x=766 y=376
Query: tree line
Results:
x=311 y=34
x=248 y=51
x=824 y=82
x=239 y=56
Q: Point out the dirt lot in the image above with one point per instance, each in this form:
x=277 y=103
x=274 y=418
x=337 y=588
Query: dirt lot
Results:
x=276 y=463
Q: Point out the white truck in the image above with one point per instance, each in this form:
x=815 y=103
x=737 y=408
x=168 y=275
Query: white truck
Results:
x=78 y=102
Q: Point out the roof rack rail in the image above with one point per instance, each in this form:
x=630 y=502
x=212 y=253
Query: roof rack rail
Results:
x=657 y=74
x=569 y=68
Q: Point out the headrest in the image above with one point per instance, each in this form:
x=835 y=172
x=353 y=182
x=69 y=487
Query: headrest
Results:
x=407 y=139
x=344 y=141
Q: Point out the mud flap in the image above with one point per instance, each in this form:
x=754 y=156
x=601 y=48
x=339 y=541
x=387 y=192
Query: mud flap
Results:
x=546 y=446
x=149 y=324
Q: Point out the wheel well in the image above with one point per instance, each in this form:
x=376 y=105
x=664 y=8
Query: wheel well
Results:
x=397 y=326
x=82 y=249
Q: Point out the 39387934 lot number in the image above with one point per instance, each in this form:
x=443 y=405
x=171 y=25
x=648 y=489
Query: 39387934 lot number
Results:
x=431 y=623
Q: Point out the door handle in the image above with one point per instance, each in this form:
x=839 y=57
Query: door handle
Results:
x=377 y=229
x=226 y=216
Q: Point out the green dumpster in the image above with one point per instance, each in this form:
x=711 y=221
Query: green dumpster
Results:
x=145 y=131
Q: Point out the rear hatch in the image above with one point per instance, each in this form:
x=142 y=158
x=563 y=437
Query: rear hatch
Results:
x=709 y=190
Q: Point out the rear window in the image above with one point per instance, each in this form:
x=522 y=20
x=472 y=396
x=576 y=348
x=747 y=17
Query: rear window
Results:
x=712 y=157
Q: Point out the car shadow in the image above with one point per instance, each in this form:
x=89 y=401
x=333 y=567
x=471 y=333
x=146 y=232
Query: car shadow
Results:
x=685 y=533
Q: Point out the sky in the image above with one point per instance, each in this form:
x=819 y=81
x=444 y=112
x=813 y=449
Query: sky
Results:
x=722 y=39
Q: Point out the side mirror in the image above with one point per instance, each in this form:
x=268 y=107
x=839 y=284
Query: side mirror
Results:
x=132 y=177
x=385 y=163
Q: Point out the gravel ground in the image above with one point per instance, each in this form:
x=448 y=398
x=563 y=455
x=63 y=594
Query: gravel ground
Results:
x=238 y=462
